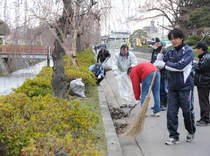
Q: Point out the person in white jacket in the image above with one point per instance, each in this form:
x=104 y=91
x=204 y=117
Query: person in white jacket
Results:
x=121 y=62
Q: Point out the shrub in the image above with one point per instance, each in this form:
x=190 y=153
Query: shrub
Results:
x=44 y=125
x=38 y=86
x=196 y=38
x=190 y=42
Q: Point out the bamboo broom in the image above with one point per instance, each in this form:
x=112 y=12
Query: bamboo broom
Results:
x=137 y=123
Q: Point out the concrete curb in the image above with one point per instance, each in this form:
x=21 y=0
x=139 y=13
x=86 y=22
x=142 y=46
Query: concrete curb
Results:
x=113 y=144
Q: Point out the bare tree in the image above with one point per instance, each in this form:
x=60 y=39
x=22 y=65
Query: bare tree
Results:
x=175 y=12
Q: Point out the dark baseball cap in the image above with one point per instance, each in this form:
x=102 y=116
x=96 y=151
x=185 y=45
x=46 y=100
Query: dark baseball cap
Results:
x=154 y=40
x=202 y=45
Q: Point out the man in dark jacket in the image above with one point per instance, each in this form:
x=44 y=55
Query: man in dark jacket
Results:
x=202 y=81
x=103 y=54
x=179 y=62
x=157 y=48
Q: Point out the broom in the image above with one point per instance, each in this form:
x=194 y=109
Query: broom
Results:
x=137 y=123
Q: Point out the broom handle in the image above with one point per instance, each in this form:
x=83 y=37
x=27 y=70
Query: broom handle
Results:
x=161 y=51
x=153 y=79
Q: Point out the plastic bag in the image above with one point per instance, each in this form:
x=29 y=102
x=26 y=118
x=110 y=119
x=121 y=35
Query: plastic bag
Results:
x=77 y=87
x=125 y=87
x=107 y=65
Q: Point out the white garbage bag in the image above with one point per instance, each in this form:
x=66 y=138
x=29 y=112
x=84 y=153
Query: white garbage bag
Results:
x=77 y=87
x=107 y=65
x=125 y=87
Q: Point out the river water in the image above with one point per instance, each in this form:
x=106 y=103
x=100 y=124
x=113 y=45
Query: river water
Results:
x=15 y=79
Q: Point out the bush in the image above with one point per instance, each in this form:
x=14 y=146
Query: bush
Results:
x=42 y=125
x=196 y=38
x=38 y=86
x=190 y=42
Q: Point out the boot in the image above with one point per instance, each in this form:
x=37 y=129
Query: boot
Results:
x=163 y=104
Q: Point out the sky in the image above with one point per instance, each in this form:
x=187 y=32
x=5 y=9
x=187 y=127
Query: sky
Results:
x=121 y=10
x=115 y=21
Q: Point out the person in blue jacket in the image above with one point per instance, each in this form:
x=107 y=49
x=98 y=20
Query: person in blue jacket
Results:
x=179 y=62
x=98 y=72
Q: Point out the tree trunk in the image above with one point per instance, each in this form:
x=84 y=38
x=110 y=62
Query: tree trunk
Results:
x=79 y=44
x=59 y=79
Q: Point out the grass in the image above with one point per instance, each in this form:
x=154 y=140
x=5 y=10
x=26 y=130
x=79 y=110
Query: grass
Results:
x=92 y=102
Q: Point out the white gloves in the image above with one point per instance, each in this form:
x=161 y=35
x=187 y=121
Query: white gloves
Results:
x=99 y=76
x=159 y=64
x=115 y=73
x=160 y=57
x=138 y=102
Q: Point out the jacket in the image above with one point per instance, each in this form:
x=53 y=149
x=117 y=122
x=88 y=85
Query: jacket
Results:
x=180 y=62
x=137 y=74
x=155 y=52
x=102 y=55
x=123 y=62
x=97 y=69
x=202 y=71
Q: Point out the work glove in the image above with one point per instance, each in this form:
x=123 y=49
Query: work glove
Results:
x=138 y=102
x=115 y=73
x=159 y=64
x=99 y=76
x=160 y=57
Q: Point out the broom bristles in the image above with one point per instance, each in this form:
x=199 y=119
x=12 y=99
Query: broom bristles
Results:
x=137 y=122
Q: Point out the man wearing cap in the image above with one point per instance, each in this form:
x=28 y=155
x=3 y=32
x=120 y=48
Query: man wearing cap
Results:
x=157 y=47
x=202 y=81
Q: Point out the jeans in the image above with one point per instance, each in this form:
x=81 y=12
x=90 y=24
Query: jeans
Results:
x=155 y=90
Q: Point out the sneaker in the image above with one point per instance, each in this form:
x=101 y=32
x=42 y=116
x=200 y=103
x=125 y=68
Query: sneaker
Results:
x=131 y=105
x=124 y=106
x=162 y=108
x=189 y=137
x=201 y=123
x=155 y=114
x=172 y=141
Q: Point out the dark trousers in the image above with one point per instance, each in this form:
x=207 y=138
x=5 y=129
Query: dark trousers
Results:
x=99 y=80
x=180 y=99
x=163 y=87
x=203 y=97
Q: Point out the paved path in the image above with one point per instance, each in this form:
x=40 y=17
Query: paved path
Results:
x=151 y=140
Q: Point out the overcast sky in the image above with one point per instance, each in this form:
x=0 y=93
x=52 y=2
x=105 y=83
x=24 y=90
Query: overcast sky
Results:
x=121 y=10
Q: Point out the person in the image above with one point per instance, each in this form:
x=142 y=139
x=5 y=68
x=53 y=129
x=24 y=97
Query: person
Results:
x=121 y=62
x=143 y=73
x=98 y=72
x=157 y=48
x=103 y=54
x=202 y=81
x=95 y=48
x=179 y=62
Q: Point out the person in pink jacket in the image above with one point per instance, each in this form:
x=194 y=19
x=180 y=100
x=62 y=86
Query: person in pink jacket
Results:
x=143 y=74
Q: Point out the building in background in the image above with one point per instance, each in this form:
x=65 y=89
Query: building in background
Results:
x=115 y=39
